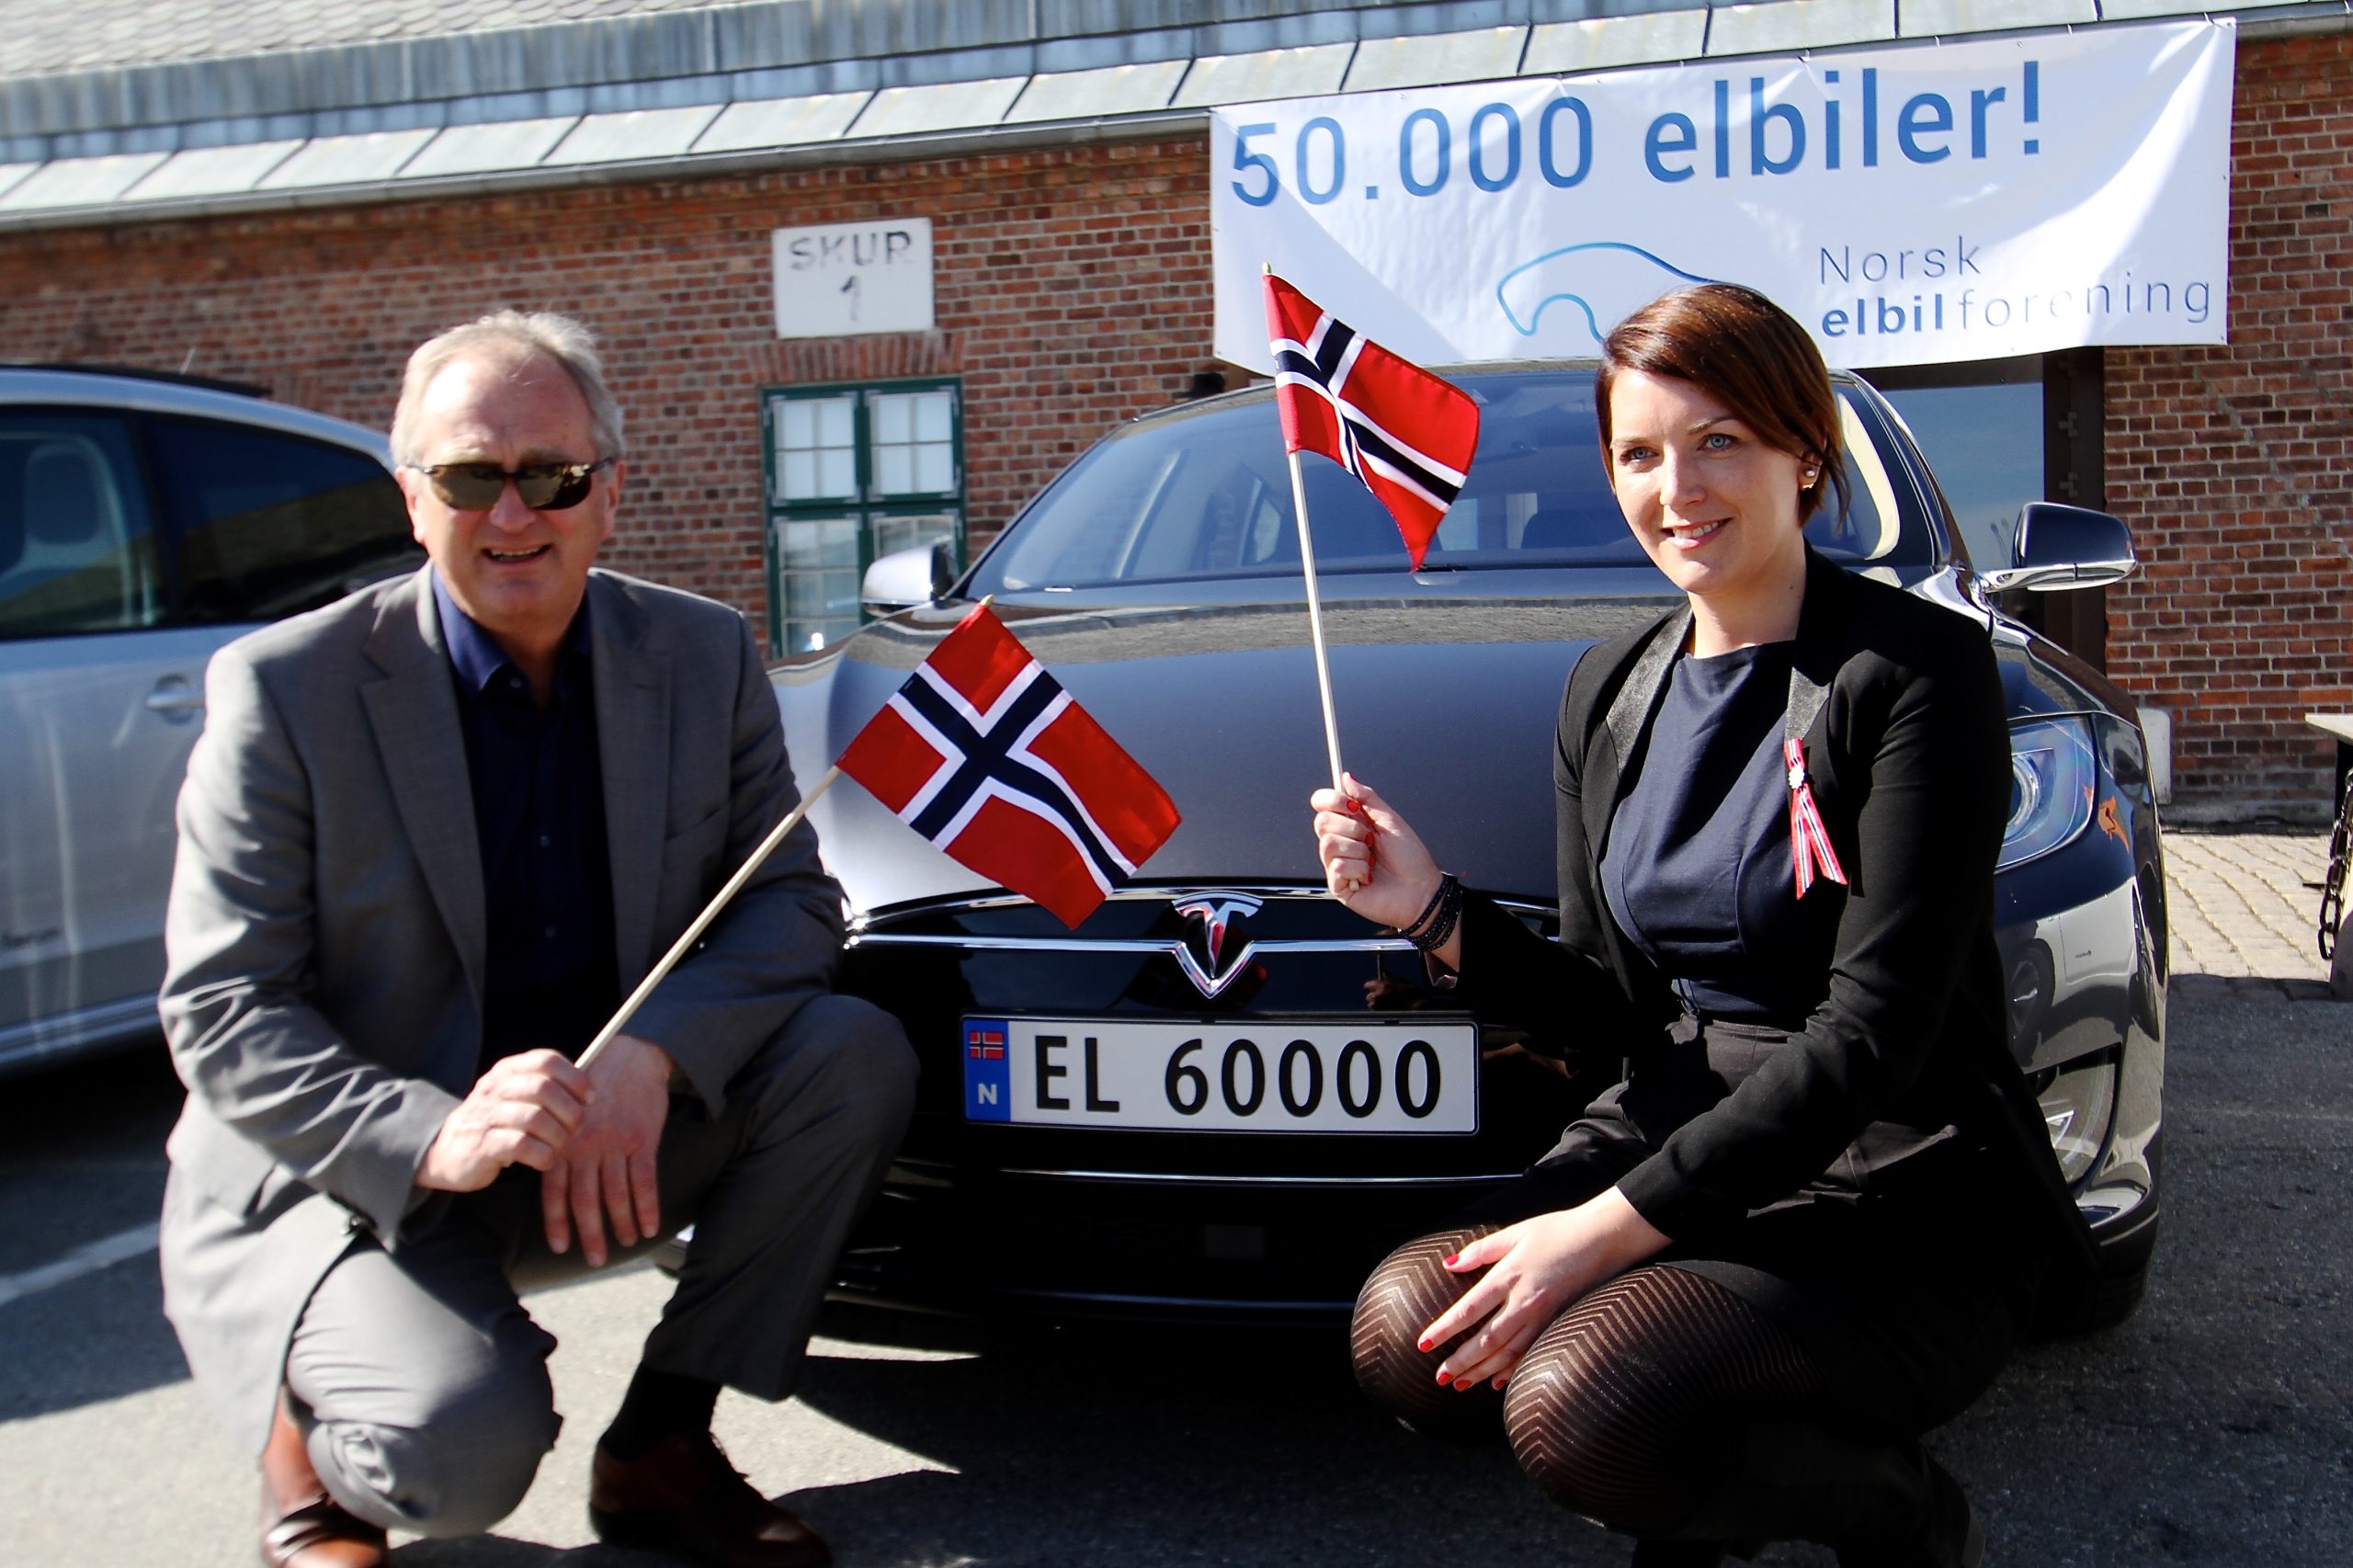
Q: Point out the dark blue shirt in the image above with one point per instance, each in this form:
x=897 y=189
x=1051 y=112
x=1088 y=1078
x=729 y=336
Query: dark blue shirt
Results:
x=539 y=790
x=1697 y=872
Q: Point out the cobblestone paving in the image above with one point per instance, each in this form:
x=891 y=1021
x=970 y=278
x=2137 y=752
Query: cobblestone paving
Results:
x=2242 y=921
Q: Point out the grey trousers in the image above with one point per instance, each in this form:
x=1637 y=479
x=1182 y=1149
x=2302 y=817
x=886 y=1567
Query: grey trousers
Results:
x=420 y=1383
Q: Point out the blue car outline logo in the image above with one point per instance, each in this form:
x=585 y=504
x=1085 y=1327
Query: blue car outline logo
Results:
x=1628 y=280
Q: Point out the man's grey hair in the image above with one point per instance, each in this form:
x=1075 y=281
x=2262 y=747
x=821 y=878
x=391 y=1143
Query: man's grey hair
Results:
x=513 y=336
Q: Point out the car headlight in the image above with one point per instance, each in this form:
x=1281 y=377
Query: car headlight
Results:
x=2052 y=774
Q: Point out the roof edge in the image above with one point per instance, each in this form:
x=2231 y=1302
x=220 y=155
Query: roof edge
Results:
x=967 y=142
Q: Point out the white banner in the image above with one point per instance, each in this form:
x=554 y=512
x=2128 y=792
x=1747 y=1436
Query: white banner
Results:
x=1910 y=204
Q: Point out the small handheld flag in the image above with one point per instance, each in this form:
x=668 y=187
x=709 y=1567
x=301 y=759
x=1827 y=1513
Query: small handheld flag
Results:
x=1406 y=433
x=989 y=758
x=985 y=755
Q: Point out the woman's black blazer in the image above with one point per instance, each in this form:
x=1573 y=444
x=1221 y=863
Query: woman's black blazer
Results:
x=1908 y=753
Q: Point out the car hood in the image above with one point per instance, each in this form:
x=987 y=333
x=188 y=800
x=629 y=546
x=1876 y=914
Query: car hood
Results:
x=1446 y=705
x=1218 y=703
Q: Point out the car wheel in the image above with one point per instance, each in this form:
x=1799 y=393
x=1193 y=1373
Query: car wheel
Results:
x=2119 y=1283
x=2116 y=1297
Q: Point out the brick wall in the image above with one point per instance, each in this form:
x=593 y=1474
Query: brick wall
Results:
x=2231 y=463
x=1072 y=291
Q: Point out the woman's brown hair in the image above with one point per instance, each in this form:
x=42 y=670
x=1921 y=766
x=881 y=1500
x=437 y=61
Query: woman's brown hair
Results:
x=1736 y=344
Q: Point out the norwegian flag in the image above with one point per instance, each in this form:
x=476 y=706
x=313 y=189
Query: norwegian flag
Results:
x=1406 y=433
x=986 y=756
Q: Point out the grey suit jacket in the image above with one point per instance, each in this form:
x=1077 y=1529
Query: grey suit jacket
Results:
x=326 y=931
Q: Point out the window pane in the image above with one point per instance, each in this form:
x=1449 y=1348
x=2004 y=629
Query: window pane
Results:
x=1459 y=529
x=812 y=636
x=905 y=533
x=815 y=596
x=838 y=472
x=935 y=469
x=935 y=416
x=1985 y=444
x=913 y=443
x=817 y=581
x=1204 y=492
x=78 y=551
x=815 y=458
x=861 y=447
x=272 y=525
x=803 y=546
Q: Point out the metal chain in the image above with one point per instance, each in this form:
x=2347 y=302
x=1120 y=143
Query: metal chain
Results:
x=2332 y=887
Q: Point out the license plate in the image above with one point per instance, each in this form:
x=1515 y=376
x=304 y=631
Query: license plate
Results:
x=1261 y=1077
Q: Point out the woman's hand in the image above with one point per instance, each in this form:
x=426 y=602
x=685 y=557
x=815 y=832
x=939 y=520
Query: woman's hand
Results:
x=1371 y=859
x=1534 y=1269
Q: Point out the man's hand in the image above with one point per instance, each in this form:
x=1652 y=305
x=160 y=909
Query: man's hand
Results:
x=1534 y=1269
x=607 y=1168
x=523 y=1111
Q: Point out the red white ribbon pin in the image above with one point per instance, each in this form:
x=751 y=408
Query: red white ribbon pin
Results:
x=1810 y=848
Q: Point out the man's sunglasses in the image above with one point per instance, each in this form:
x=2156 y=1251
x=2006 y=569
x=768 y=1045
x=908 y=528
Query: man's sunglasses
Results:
x=544 y=487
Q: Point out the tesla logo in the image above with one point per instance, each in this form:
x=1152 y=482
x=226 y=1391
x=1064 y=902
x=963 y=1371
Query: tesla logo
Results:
x=1215 y=950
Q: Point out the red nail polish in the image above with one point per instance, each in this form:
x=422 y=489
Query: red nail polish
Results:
x=1450 y=1259
x=1444 y=1379
x=1424 y=1343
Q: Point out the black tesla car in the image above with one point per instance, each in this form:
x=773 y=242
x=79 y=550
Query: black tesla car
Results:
x=1226 y=1094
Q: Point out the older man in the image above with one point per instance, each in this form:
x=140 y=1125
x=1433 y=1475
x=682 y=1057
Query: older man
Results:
x=429 y=838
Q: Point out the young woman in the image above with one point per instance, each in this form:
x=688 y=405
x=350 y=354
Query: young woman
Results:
x=1812 y=1220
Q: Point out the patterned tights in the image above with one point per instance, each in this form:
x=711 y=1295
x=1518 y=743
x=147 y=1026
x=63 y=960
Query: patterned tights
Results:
x=1630 y=1408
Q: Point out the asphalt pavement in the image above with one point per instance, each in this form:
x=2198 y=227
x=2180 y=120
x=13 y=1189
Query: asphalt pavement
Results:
x=2215 y=1428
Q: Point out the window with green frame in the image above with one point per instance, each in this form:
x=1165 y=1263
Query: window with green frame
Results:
x=854 y=473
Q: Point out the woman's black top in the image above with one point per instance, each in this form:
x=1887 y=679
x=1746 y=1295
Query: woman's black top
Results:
x=1900 y=1039
x=1697 y=873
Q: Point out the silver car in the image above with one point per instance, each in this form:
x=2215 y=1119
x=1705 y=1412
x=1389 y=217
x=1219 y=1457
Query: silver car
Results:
x=144 y=521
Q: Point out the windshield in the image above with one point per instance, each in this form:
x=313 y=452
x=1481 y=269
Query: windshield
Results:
x=1204 y=494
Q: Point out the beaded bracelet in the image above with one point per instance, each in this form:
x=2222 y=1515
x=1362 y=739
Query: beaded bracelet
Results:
x=1429 y=938
x=1437 y=896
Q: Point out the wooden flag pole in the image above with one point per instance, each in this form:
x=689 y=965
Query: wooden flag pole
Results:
x=710 y=912
x=1314 y=605
x=1315 y=622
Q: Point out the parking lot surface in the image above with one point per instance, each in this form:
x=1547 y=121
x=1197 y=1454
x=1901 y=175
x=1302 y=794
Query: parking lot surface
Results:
x=2215 y=1427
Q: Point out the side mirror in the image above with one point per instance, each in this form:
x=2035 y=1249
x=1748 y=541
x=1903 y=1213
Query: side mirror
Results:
x=2058 y=547
x=905 y=578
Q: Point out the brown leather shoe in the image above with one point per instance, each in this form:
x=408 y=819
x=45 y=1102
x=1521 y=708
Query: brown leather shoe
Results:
x=302 y=1527
x=682 y=1496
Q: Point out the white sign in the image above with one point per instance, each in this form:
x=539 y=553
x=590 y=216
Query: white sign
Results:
x=840 y=280
x=1911 y=205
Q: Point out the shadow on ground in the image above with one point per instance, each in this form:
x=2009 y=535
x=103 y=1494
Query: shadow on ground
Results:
x=1133 y=1446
